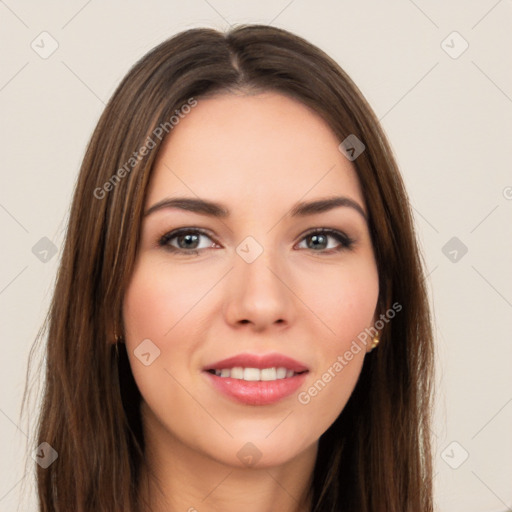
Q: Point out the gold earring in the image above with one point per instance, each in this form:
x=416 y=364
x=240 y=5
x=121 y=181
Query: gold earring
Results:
x=375 y=342
x=116 y=344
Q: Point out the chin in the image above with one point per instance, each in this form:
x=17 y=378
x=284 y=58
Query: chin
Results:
x=258 y=452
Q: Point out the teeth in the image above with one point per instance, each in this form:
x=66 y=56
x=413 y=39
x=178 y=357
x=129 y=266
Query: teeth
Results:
x=255 y=374
x=268 y=374
x=252 y=374
x=281 y=373
x=237 y=372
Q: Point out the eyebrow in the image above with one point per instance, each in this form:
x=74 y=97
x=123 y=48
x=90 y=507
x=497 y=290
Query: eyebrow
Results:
x=213 y=209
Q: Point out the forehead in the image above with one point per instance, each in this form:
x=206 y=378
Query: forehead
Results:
x=252 y=150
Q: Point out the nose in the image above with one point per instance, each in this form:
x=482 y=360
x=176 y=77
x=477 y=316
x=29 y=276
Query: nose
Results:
x=259 y=293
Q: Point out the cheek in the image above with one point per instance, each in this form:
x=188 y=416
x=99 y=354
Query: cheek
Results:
x=155 y=307
x=145 y=306
x=157 y=301
x=353 y=307
x=346 y=305
x=344 y=298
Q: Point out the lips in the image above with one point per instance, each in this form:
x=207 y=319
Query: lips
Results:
x=279 y=376
x=261 y=362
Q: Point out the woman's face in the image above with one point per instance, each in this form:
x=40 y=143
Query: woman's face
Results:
x=259 y=283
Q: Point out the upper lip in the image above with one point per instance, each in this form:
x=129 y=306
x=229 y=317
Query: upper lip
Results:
x=259 y=361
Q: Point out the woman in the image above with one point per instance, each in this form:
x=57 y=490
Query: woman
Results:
x=240 y=317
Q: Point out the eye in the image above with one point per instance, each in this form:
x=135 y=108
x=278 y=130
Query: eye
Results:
x=319 y=240
x=187 y=240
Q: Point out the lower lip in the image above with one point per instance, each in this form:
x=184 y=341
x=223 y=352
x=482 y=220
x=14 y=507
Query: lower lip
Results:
x=257 y=392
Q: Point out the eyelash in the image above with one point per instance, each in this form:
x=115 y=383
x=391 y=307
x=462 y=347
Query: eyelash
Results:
x=345 y=241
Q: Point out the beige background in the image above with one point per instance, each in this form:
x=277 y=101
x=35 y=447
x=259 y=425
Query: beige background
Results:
x=449 y=121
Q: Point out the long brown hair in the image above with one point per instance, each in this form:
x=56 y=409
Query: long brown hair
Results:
x=376 y=456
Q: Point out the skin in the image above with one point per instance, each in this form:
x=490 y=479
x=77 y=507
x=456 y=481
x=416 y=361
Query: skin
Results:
x=258 y=155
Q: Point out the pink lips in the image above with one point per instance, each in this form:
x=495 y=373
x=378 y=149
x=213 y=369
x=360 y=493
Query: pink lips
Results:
x=258 y=361
x=257 y=392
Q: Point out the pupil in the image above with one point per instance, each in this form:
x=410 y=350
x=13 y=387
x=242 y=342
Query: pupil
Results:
x=189 y=238
x=317 y=238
